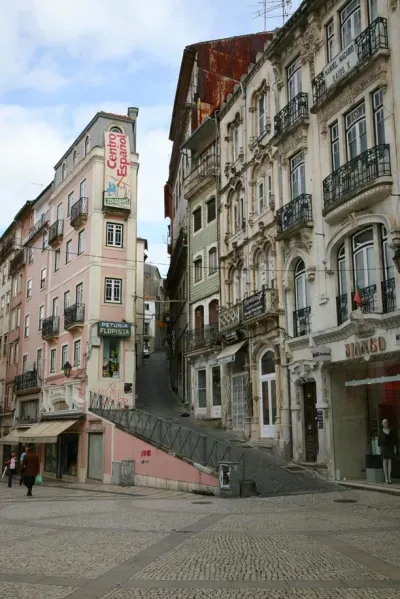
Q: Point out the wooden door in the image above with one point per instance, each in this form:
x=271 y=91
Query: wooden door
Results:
x=310 y=421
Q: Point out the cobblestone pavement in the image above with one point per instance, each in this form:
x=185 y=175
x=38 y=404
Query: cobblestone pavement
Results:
x=147 y=543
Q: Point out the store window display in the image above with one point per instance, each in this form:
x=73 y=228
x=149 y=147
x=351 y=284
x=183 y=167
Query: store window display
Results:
x=111 y=358
x=387 y=444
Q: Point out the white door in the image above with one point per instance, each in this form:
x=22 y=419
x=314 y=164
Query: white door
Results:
x=95 y=457
x=238 y=402
x=267 y=404
x=216 y=392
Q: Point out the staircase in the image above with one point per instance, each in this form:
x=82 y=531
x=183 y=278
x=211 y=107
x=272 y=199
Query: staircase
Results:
x=271 y=475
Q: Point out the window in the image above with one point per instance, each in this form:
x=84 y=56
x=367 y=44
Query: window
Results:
x=202 y=389
x=29 y=411
x=77 y=353
x=54 y=307
x=146 y=329
x=68 y=247
x=27 y=325
x=24 y=363
x=298 y=175
x=113 y=291
x=30 y=255
x=115 y=235
x=364 y=259
x=260 y=196
x=82 y=189
x=387 y=253
x=261 y=272
x=43 y=274
x=2 y=305
x=41 y=317
x=79 y=293
x=294 y=79
x=197 y=219
x=235 y=142
x=211 y=210
x=64 y=356
x=116 y=130
x=74 y=157
x=335 y=146
x=300 y=286
x=87 y=145
x=67 y=300
x=16 y=353
x=4 y=274
x=5 y=348
x=243 y=283
x=356 y=132
x=29 y=289
x=70 y=202
x=13 y=319
x=19 y=285
x=216 y=386
x=147 y=306
x=59 y=211
x=212 y=261
x=63 y=171
x=198 y=270
x=8 y=299
x=379 y=118
x=342 y=280
x=12 y=358
x=44 y=240
x=111 y=357
x=57 y=256
x=268 y=394
x=53 y=360
x=14 y=287
x=18 y=318
x=39 y=362
x=213 y=312
x=268 y=195
x=350 y=22
x=81 y=242
x=372 y=10
x=262 y=113
x=235 y=286
x=330 y=40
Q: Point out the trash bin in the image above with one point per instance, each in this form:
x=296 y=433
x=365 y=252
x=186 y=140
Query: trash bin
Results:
x=127 y=472
x=230 y=475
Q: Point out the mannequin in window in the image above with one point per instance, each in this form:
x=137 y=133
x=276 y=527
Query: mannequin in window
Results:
x=387 y=443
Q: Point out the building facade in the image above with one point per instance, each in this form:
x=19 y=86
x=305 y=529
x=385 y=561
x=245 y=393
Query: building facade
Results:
x=154 y=309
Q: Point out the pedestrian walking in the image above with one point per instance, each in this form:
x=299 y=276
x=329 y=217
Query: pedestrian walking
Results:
x=11 y=465
x=21 y=459
x=30 y=468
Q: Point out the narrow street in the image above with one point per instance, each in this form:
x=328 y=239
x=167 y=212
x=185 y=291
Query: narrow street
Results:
x=149 y=543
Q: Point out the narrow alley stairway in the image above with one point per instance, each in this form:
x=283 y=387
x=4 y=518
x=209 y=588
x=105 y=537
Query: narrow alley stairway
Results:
x=270 y=473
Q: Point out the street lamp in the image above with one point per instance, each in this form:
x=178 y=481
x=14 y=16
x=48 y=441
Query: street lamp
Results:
x=396 y=259
x=67 y=369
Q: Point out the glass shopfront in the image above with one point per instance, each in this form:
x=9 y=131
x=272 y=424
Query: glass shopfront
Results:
x=61 y=458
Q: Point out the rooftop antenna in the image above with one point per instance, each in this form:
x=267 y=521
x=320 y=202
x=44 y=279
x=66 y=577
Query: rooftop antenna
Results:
x=266 y=7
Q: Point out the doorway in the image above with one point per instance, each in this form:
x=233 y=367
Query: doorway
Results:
x=310 y=421
x=238 y=402
x=95 y=457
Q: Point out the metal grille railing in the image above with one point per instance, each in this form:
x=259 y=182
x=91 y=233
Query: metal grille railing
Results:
x=182 y=441
x=342 y=308
x=56 y=230
x=294 y=213
x=294 y=112
x=50 y=326
x=74 y=315
x=347 y=179
x=201 y=338
x=369 y=299
x=389 y=295
x=27 y=380
x=79 y=210
x=302 y=321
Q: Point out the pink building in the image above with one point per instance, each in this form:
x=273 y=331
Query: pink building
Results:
x=77 y=307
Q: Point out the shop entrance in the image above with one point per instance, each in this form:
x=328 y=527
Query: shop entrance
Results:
x=61 y=458
x=95 y=457
x=310 y=421
x=238 y=402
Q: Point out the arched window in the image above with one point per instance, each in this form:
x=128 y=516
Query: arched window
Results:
x=63 y=171
x=365 y=269
x=212 y=261
x=243 y=283
x=387 y=253
x=261 y=271
x=199 y=317
x=300 y=285
x=342 y=281
x=235 y=286
x=116 y=130
x=267 y=382
x=74 y=157
x=87 y=145
x=213 y=312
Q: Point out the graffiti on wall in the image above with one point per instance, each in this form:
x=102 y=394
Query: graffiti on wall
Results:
x=113 y=392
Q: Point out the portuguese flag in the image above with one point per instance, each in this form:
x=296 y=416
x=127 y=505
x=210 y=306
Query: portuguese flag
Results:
x=357 y=299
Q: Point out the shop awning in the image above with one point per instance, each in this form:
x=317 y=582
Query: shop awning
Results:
x=228 y=353
x=46 y=431
x=11 y=439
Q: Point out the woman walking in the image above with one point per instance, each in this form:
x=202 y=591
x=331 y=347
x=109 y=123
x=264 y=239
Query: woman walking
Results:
x=30 y=469
x=11 y=464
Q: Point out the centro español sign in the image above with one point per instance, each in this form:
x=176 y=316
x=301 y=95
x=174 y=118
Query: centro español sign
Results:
x=117 y=171
x=114 y=329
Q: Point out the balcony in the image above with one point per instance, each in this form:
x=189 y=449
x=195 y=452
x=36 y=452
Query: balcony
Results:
x=302 y=321
x=353 y=59
x=389 y=296
x=259 y=304
x=50 y=327
x=37 y=227
x=292 y=115
x=356 y=185
x=56 y=233
x=342 y=309
x=18 y=262
x=6 y=248
x=178 y=258
x=294 y=216
x=369 y=300
x=203 y=338
x=201 y=175
x=74 y=316
x=231 y=317
x=26 y=382
x=79 y=213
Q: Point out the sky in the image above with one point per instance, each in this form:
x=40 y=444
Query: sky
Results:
x=61 y=62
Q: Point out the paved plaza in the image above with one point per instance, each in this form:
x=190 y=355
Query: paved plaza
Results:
x=148 y=543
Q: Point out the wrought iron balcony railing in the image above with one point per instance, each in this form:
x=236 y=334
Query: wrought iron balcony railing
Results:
x=206 y=168
x=201 y=338
x=342 y=308
x=50 y=327
x=302 y=321
x=18 y=262
x=79 y=212
x=230 y=317
x=389 y=295
x=347 y=180
x=295 y=213
x=6 y=248
x=293 y=113
x=74 y=316
x=37 y=227
x=368 y=43
x=27 y=380
x=56 y=231
x=179 y=253
x=369 y=299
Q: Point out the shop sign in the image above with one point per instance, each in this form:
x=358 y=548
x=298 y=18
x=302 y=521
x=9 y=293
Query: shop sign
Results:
x=117 y=171
x=230 y=337
x=366 y=347
x=343 y=62
x=114 y=329
x=254 y=306
x=321 y=354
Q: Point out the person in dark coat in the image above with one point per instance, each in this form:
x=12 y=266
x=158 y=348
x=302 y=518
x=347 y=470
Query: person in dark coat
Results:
x=30 y=469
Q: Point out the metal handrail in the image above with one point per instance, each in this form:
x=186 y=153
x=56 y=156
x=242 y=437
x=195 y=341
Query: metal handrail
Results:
x=296 y=111
x=80 y=208
x=56 y=230
x=74 y=314
x=293 y=213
